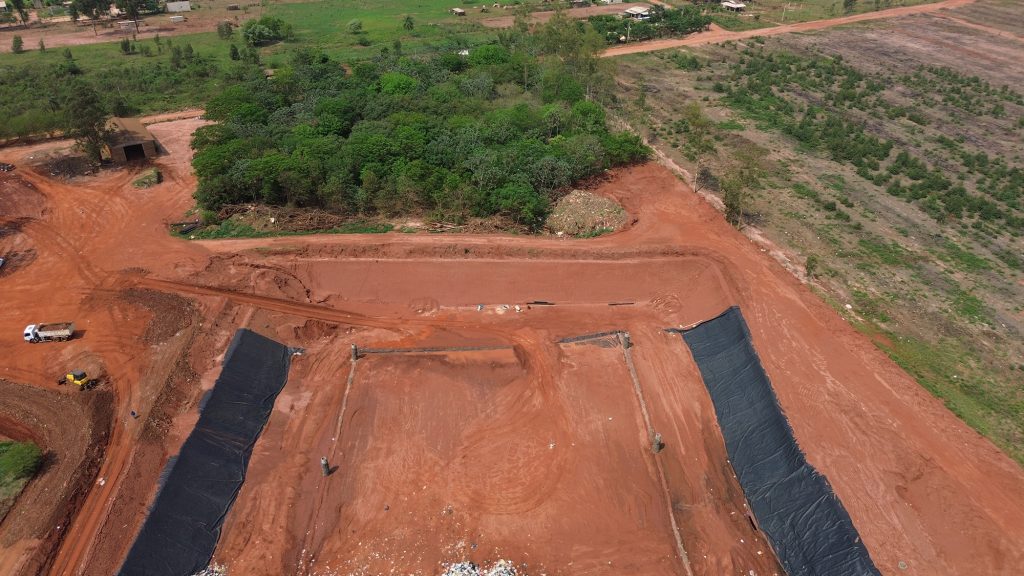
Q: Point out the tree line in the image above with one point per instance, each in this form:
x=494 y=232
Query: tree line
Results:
x=502 y=130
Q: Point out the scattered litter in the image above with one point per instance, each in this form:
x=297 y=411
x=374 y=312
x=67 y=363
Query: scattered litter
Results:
x=479 y=307
x=499 y=568
x=518 y=309
x=849 y=307
x=102 y=481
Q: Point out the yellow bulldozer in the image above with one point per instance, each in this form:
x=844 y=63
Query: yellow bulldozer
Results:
x=78 y=378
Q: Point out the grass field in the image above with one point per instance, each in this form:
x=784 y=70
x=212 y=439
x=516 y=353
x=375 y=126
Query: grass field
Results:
x=326 y=25
x=919 y=231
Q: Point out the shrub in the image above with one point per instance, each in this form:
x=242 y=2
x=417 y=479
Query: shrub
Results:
x=18 y=460
x=17 y=44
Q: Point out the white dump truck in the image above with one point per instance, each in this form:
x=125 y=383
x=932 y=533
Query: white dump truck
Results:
x=52 y=332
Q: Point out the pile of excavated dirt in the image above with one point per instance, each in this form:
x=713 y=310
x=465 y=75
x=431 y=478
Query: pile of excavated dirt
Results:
x=72 y=429
x=581 y=213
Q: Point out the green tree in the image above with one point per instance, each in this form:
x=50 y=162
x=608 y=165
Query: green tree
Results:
x=234 y=53
x=42 y=45
x=734 y=197
x=811 y=266
x=85 y=117
x=19 y=7
x=225 y=30
x=17 y=44
x=91 y=9
x=408 y=23
x=849 y=6
x=132 y=9
x=355 y=26
x=176 y=57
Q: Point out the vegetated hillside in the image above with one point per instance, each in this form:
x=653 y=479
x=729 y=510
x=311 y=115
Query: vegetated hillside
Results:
x=893 y=168
x=18 y=463
x=500 y=130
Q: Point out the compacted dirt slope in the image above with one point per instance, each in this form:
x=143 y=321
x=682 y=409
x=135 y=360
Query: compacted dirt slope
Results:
x=513 y=446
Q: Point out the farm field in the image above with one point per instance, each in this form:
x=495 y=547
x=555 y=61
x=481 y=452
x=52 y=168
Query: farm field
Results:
x=929 y=263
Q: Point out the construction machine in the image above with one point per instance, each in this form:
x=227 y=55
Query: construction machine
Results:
x=78 y=378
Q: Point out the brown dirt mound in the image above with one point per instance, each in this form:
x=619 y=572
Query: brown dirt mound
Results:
x=19 y=200
x=584 y=213
x=171 y=313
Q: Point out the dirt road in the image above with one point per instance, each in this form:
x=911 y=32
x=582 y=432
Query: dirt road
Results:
x=528 y=453
x=717 y=34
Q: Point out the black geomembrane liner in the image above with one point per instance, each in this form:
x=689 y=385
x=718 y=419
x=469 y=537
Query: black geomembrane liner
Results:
x=806 y=524
x=179 y=535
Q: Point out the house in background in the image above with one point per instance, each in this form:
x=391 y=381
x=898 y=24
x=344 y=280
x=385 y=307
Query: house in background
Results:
x=182 y=6
x=3 y=6
x=638 y=12
x=128 y=139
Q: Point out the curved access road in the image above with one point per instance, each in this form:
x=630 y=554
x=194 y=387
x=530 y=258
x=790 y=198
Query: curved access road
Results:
x=717 y=34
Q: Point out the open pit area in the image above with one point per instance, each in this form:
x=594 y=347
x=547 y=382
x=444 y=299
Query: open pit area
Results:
x=476 y=424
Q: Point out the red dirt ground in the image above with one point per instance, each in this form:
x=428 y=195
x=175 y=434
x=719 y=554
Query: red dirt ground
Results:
x=441 y=452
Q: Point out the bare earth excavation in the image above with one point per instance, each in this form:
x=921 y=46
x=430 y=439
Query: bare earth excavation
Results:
x=501 y=402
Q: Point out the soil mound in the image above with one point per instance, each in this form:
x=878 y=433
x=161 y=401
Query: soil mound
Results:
x=582 y=213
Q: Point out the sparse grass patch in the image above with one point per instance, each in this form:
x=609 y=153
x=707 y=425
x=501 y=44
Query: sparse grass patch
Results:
x=148 y=179
x=970 y=306
x=963 y=259
x=888 y=253
x=19 y=461
x=233 y=229
x=951 y=373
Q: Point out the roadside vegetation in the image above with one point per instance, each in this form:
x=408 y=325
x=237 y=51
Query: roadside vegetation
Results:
x=764 y=13
x=898 y=189
x=19 y=461
x=503 y=130
x=662 y=23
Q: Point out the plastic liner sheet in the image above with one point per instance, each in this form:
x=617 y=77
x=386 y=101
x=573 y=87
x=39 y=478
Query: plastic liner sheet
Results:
x=179 y=535
x=806 y=524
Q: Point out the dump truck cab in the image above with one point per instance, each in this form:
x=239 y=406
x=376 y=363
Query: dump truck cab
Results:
x=30 y=333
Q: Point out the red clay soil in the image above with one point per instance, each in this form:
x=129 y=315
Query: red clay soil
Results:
x=72 y=430
x=717 y=34
x=538 y=452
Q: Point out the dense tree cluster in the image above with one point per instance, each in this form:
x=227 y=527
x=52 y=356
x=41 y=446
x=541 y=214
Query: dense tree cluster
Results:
x=663 y=22
x=501 y=130
x=266 y=30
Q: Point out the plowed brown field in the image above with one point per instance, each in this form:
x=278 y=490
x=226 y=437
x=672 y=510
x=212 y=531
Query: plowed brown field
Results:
x=532 y=450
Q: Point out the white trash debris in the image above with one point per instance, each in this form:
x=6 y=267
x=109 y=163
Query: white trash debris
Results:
x=499 y=568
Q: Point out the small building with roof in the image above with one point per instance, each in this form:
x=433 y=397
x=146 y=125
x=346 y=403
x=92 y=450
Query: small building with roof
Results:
x=128 y=139
x=638 y=12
